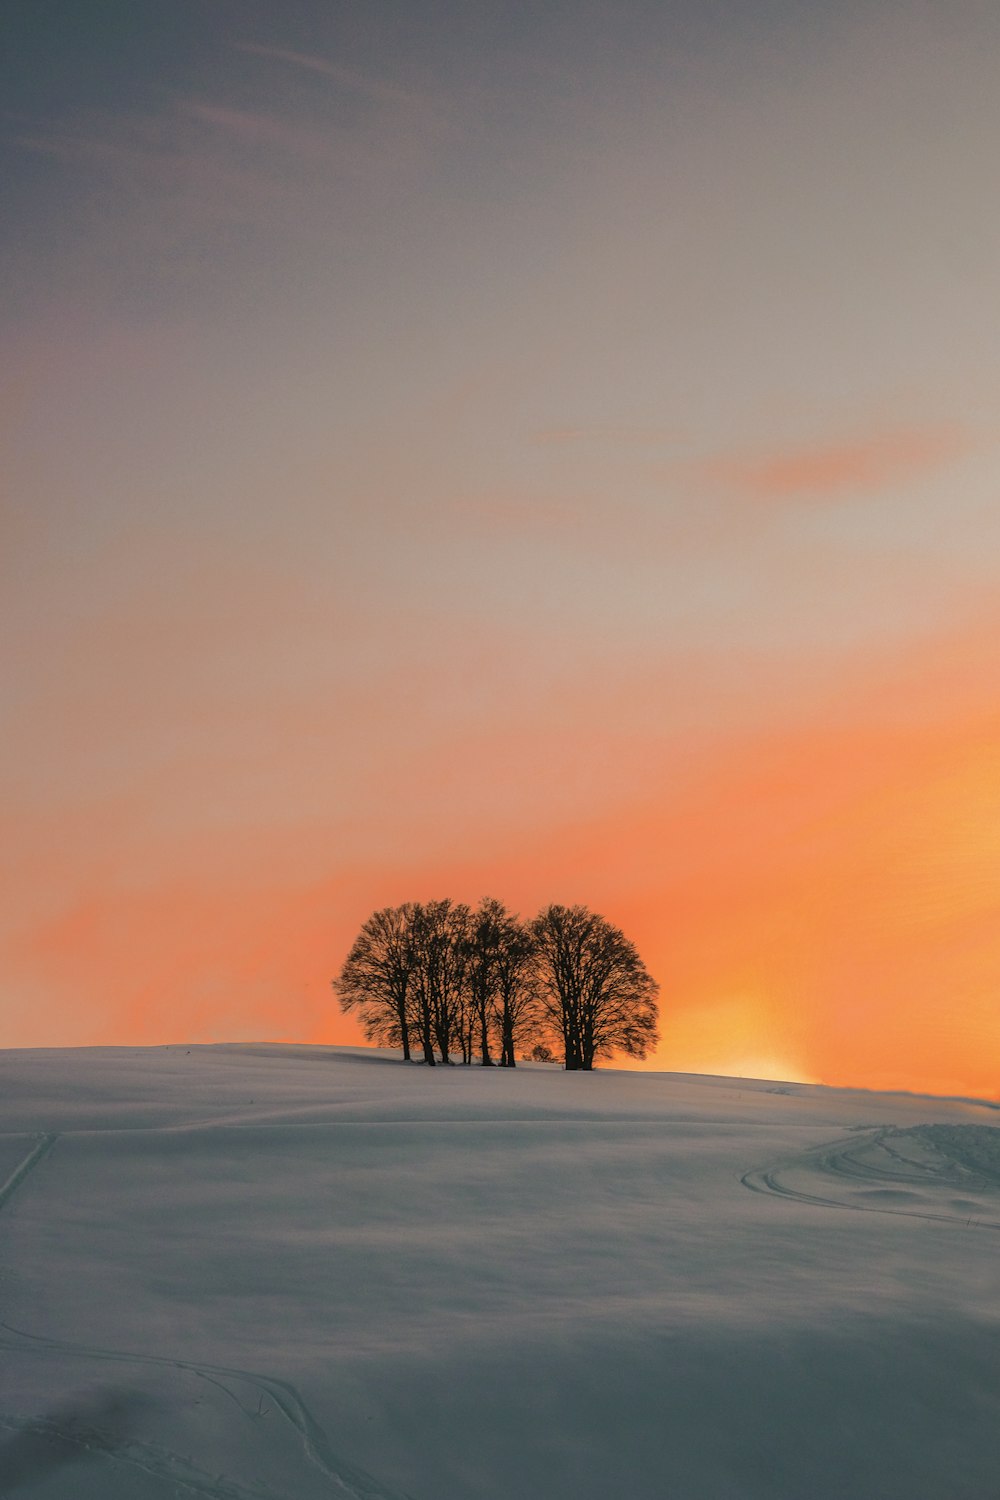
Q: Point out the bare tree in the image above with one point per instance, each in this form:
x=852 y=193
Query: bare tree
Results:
x=516 y=1009
x=441 y=973
x=596 y=991
x=483 y=939
x=377 y=979
x=499 y=998
x=440 y=932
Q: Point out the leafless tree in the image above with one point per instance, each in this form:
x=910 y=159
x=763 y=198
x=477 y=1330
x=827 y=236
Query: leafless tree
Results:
x=483 y=939
x=516 y=1009
x=377 y=979
x=440 y=938
x=499 y=996
x=443 y=974
x=595 y=989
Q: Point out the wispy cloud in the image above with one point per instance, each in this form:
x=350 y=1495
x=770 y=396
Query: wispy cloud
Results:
x=151 y=191
x=827 y=471
x=257 y=154
x=259 y=129
x=378 y=90
x=172 y=172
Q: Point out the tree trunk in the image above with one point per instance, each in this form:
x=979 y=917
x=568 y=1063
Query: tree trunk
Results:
x=571 y=1045
x=484 y=1040
x=442 y=1030
x=427 y=1039
x=405 y=1032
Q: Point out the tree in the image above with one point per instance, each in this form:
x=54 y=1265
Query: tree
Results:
x=377 y=979
x=481 y=943
x=516 y=1010
x=596 y=991
x=484 y=938
x=541 y=1052
x=440 y=930
x=438 y=972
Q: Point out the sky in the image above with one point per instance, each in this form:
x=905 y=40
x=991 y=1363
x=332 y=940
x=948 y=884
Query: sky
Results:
x=540 y=451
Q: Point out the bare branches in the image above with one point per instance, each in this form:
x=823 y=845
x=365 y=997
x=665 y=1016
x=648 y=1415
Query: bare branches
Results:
x=444 y=976
x=377 y=976
x=595 y=989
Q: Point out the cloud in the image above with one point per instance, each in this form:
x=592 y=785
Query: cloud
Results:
x=258 y=129
x=163 y=190
x=375 y=89
x=828 y=471
x=201 y=150
x=172 y=175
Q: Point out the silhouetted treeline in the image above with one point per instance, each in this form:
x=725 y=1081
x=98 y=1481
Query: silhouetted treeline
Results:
x=439 y=977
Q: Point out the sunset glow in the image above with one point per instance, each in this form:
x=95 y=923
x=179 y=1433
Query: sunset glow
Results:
x=552 y=456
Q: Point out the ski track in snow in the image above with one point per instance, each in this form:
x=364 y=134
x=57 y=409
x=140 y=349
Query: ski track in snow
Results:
x=349 y=1481
x=82 y=1444
x=34 y=1156
x=950 y=1158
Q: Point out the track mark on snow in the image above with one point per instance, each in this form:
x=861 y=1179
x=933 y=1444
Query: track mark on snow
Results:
x=42 y=1148
x=40 y=1446
x=351 y=1482
x=878 y=1171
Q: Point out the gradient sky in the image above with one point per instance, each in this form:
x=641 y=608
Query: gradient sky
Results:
x=479 y=448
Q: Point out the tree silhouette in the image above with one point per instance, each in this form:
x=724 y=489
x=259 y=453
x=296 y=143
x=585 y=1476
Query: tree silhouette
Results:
x=595 y=989
x=483 y=938
x=440 y=931
x=516 y=1010
x=437 y=972
x=377 y=977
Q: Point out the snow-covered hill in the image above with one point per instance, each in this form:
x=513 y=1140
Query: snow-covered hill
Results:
x=295 y=1272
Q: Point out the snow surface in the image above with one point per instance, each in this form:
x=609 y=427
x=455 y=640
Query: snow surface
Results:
x=293 y=1272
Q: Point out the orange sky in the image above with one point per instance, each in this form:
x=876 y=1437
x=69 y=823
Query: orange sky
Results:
x=817 y=901
x=546 y=455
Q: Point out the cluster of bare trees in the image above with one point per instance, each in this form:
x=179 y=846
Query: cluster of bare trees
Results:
x=441 y=976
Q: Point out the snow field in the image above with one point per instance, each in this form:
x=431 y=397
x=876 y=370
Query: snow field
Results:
x=283 y=1272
